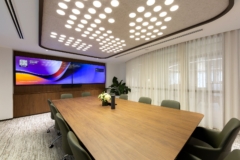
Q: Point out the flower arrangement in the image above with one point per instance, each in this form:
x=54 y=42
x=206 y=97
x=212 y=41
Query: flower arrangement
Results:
x=104 y=97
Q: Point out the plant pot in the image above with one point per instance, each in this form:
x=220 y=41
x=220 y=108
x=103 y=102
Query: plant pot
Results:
x=104 y=103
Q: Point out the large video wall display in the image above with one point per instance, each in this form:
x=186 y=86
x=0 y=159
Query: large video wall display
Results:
x=37 y=71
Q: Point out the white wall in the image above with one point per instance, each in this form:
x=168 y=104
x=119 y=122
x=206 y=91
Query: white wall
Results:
x=6 y=83
x=117 y=70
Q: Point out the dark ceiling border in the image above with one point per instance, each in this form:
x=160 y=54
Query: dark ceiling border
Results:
x=41 y=2
x=14 y=18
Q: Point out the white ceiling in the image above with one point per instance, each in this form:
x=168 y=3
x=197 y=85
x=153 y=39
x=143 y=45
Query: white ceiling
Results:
x=27 y=13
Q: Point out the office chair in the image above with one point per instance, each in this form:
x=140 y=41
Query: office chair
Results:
x=55 y=111
x=66 y=95
x=146 y=100
x=78 y=152
x=52 y=116
x=64 y=128
x=123 y=96
x=234 y=155
x=210 y=144
x=170 y=104
x=85 y=94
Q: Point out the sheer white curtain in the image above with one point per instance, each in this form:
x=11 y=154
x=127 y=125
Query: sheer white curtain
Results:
x=154 y=75
x=204 y=74
x=232 y=75
x=191 y=73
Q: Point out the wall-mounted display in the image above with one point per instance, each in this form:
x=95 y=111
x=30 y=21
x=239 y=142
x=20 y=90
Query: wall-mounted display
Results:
x=37 y=71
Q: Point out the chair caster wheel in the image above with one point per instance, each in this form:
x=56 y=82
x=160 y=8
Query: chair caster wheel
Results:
x=51 y=146
x=48 y=131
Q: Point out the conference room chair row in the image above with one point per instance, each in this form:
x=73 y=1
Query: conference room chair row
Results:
x=69 y=95
x=71 y=145
x=147 y=100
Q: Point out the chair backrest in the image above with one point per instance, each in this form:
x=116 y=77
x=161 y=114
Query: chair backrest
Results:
x=123 y=96
x=64 y=129
x=170 y=104
x=78 y=152
x=146 y=100
x=66 y=95
x=234 y=155
x=85 y=94
x=49 y=102
x=54 y=111
x=229 y=133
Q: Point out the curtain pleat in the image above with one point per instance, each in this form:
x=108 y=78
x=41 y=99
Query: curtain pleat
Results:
x=232 y=75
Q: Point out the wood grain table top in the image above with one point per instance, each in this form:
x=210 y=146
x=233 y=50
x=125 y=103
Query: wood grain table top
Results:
x=131 y=131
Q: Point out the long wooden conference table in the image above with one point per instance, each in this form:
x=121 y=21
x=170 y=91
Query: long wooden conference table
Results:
x=130 y=131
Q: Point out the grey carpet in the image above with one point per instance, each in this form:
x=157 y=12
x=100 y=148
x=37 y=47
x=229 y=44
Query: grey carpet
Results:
x=26 y=139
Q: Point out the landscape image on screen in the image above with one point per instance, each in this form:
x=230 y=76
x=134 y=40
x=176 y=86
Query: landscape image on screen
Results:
x=88 y=73
x=34 y=71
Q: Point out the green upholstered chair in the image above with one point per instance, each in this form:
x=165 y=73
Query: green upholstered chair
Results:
x=186 y=156
x=170 y=104
x=123 y=96
x=54 y=112
x=64 y=129
x=213 y=145
x=52 y=116
x=146 y=100
x=85 y=94
x=78 y=152
x=234 y=155
x=66 y=95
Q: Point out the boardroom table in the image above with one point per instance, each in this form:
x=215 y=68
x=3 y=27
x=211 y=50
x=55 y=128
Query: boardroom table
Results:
x=131 y=131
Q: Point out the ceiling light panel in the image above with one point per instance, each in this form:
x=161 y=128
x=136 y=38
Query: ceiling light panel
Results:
x=124 y=26
x=152 y=22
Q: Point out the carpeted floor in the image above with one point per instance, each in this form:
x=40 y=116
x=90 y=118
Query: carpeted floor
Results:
x=26 y=139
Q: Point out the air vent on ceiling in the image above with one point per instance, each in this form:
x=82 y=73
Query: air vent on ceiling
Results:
x=14 y=18
x=160 y=42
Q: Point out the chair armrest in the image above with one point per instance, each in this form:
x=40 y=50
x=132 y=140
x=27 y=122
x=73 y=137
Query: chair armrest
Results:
x=203 y=152
x=207 y=135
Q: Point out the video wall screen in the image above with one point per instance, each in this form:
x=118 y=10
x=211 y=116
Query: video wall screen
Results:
x=88 y=73
x=37 y=71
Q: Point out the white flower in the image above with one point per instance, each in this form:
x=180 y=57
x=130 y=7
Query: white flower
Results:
x=105 y=97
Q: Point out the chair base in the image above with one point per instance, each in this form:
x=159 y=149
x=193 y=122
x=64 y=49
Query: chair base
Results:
x=65 y=157
x=52 y=144
x=48 y=130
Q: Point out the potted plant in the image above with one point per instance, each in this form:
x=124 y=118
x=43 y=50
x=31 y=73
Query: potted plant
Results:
x=118 y=88
x=105 y=98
